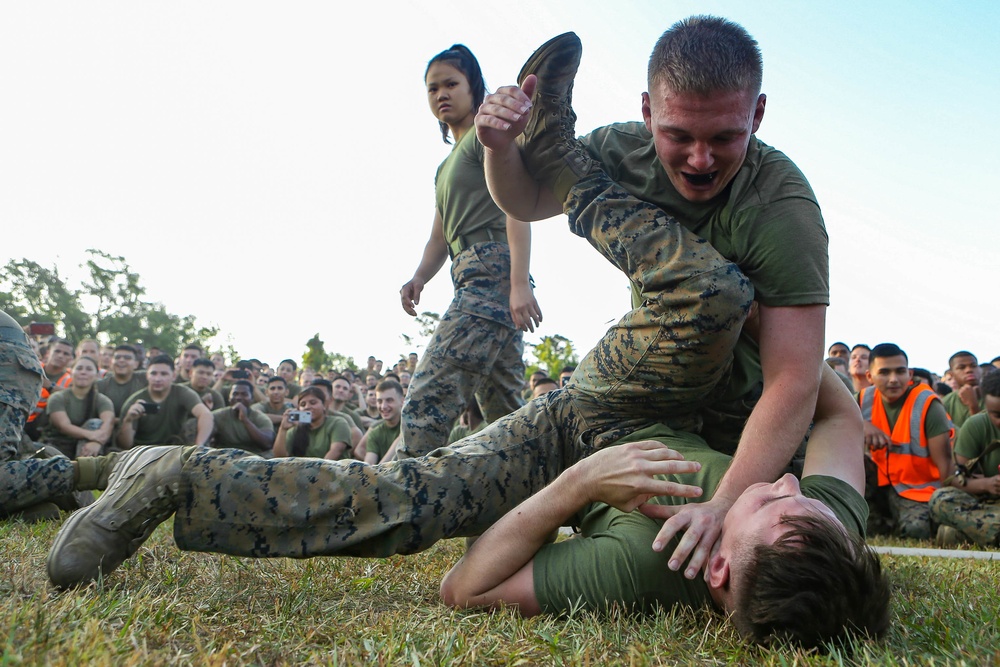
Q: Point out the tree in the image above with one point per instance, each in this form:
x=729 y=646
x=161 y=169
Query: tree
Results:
x=108 y=305
x=340 y=361
x=551 y=354
x=315 y=357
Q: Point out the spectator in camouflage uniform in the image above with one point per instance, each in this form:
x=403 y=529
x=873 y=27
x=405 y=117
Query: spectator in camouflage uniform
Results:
x=971 y=505
x=34 y=481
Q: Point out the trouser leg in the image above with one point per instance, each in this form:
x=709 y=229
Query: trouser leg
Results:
x=668 y=356
x=499 y=393
x=978 y=519
x=460 y=358
x=913 y=519
x=235 y=503
x=28 y=482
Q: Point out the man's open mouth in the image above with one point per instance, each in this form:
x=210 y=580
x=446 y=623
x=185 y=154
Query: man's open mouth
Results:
x=700 y=179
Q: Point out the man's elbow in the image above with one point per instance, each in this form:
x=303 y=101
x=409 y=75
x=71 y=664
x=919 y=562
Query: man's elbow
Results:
x=452 y=593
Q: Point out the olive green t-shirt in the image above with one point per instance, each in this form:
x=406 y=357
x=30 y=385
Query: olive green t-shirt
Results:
x=265 y=407
x=462 y=199
x=119 y=393
x=165 y=427
x=381 y=437
x=351 y=415
x=958 y=411
x=334 y=429
x=75 y=409
x=976 y=435
x=218 y=401
x=229 y=431
x=458 y=431
x=767 y=221
x=612 y=561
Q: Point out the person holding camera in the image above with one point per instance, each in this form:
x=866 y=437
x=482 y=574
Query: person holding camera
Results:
x=240 y=427
x=310 y=431
x=156 y=415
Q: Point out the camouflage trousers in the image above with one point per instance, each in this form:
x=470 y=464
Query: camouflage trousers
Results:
x=475 y=352
x=891 y=514
x=978 y=518
x=29 y=475
x=661 y=362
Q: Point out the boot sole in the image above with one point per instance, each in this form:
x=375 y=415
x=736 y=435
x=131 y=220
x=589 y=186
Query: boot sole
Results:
x=544 y=51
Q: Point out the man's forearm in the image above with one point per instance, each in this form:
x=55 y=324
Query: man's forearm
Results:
x=514 y=190
x=205 y=424
x=512 y=542
x=771 y=435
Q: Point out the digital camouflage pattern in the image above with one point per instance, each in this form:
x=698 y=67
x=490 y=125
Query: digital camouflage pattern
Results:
x=29 y=474
x=475 y=352
x=661 y=362
x=976 y=517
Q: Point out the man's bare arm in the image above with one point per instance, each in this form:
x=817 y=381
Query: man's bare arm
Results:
x=791 y=342
x=497 y=569
x=501 y=118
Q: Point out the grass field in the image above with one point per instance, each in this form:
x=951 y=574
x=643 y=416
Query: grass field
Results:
x=167 y=607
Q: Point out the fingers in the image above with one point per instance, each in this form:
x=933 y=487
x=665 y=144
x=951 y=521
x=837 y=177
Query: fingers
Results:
x=657 y=511
x=702 y=528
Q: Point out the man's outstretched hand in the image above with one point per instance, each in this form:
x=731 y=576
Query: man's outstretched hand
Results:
x=702 y=526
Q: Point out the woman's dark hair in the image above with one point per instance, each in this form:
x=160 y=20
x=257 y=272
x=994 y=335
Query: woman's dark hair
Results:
x=460 y=57
x=300 y=441
x=91 y=399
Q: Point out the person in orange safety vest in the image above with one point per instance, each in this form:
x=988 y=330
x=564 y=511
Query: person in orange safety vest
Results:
x=908 y=441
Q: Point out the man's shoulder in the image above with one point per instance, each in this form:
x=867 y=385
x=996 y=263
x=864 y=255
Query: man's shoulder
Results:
x=842 y=498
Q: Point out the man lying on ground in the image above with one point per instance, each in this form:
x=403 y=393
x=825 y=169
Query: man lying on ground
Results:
x=791 y=562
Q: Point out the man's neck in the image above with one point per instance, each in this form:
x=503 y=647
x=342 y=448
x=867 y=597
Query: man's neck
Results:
x=159 y=397
x=122 y=379
x=338 y=405
x=54 y=372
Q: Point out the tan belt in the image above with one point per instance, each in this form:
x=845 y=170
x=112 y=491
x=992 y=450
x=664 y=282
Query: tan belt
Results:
x=466 y=241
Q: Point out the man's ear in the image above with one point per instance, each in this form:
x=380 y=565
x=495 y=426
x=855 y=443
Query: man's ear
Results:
x=718 y=572
x=647 y=113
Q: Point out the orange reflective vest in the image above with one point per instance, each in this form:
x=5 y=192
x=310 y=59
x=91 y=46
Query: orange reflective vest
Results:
x=906 y=464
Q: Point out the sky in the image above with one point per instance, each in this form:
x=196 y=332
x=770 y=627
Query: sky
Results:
x=268 y=167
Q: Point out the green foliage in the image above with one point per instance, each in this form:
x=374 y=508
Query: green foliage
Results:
x=340 y=361
x=551 y=354
x=315 y=357
x=109 y=305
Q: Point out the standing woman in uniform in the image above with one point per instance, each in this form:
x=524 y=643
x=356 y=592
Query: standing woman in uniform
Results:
x=476 y=350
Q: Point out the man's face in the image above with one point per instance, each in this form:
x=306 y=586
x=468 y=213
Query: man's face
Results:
x=59 y=357
x=370 y=398
x=859 y=360
x=89 y=349
x=107 y=357
x=188 y=357
x=160 y=377
x=701 y=140
x=390 y=405
x=564 y=378
x=993 y=409
x=891 y=376
x=286 y=371
x=341 y=389
x=755 y=517
x=371 y=381
x=202 y=377
x=966 y=370
x=840 y=350
x=276 y=392
x=240 y=394
x=123 y=363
